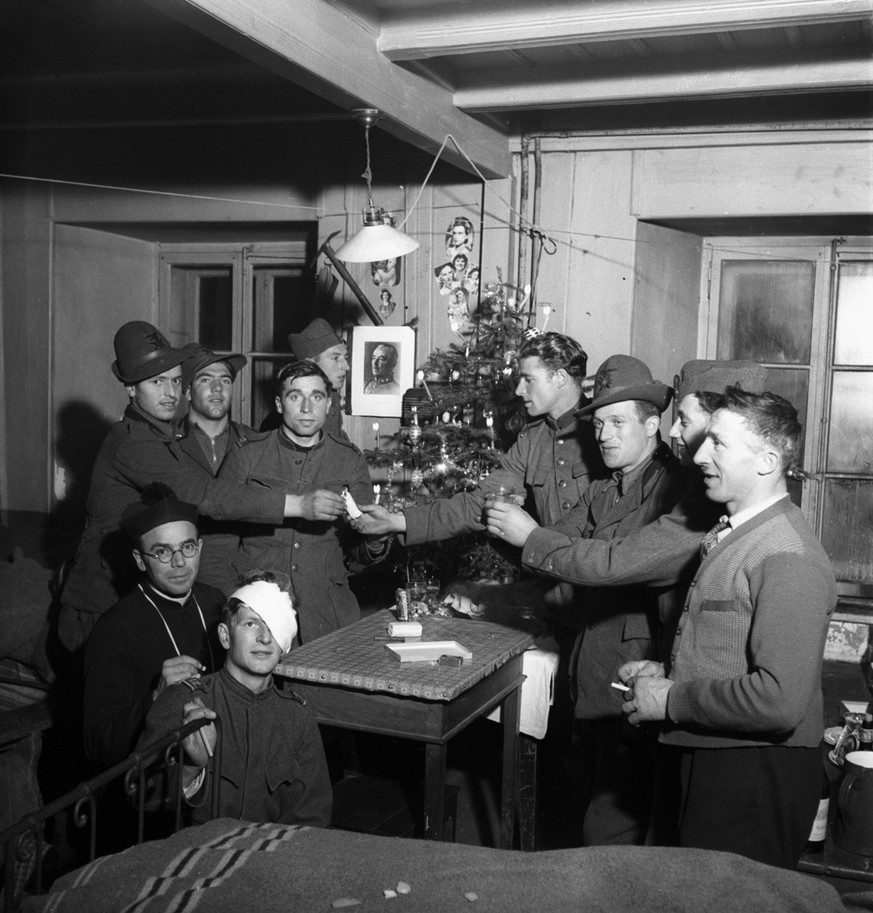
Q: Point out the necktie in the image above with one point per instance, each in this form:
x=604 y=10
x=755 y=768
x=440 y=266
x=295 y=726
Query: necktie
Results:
x=710 y=540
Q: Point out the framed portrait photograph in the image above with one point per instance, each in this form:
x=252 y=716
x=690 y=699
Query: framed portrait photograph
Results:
x=383 y=368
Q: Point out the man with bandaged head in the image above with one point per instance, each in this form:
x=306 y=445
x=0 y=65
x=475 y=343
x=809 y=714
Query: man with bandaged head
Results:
x=272 y=760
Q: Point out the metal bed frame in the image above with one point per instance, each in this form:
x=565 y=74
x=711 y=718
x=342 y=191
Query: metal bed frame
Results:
x=25 y=838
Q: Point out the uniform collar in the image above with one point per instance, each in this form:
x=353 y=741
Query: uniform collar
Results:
x=169 y=430
x=286 y=441
x=205 y=434
x=565 y=422
x=239 y=689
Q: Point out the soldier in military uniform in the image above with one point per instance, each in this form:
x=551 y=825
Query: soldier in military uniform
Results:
x=303 y=458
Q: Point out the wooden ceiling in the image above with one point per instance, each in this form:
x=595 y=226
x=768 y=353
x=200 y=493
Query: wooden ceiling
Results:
x=483 y=70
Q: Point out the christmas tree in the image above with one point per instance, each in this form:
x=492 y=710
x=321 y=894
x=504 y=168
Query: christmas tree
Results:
x=456 y=425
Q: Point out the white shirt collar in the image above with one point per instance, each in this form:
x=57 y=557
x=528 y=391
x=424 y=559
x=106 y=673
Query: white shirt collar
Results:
x=744 y=516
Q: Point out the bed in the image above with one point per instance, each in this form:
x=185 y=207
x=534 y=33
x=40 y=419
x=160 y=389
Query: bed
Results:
x=226 y=866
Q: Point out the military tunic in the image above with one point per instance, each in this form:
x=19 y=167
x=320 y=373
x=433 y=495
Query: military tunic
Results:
x=273 y=767
x=312 y=551
x=553 y=461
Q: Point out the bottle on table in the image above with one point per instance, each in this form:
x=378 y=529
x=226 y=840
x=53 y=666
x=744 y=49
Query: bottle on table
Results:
x=816 y=841
x=865 y=733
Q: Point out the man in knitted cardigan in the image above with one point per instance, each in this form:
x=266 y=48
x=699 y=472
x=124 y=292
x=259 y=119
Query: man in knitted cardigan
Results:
x=742 y=707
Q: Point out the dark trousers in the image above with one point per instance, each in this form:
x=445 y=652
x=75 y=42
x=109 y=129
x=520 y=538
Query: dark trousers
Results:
x=757 y=802
x=613 y=785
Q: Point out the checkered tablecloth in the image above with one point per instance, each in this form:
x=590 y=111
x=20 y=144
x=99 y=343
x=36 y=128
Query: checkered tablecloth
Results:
x=351 y=658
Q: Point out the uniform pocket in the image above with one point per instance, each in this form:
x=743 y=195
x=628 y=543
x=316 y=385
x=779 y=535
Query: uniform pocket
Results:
x=636 y=627
x=282 y=770
x=270 y=482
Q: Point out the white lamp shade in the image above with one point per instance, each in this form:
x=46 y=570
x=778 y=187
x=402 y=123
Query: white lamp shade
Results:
x=376 y=240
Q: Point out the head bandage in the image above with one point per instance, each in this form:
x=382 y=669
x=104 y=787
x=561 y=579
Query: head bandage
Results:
x=274 y=607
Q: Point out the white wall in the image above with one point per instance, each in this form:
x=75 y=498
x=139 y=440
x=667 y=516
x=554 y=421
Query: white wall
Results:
x=621 y=283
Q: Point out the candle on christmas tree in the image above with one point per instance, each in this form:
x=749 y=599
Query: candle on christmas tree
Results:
x=421 y=379
x=376 y=432
x=489 y=424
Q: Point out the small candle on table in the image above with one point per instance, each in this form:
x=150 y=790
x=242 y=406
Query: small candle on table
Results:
x=376 y=432
x=377 y=492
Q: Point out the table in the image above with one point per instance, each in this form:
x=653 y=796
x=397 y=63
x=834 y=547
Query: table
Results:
x=352 y=681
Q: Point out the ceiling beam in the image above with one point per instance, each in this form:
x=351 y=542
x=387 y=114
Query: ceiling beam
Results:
x=416 y=33
x=744 y=75
x=316 y=45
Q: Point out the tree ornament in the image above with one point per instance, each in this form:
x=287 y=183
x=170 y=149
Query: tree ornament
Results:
x=415 y=434
x=417 y=478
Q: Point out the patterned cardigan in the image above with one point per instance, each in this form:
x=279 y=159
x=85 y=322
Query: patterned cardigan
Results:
x=747 y=655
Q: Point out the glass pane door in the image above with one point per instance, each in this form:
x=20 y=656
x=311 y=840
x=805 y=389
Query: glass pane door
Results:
x=847 y=508
x=804 y=308
x=765 y=309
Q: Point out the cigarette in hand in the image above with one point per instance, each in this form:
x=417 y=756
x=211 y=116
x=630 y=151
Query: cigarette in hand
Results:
x=619 y=687
x=205 y=743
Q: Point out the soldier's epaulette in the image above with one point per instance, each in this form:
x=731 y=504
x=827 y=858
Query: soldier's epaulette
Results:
x=250 y=436
x=342 y=440
x=531 y=424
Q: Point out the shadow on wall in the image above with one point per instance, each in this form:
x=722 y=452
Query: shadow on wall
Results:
x=81 y=430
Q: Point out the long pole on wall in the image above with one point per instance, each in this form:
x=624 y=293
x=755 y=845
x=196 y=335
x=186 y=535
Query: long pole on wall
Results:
x=522 y=208
x=536 y=238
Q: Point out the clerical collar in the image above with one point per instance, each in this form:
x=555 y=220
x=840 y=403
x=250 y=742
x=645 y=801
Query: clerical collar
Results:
x=181 y=600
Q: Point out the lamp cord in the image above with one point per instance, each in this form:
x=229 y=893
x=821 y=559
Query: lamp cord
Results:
x=367 y=174
x=547 y=244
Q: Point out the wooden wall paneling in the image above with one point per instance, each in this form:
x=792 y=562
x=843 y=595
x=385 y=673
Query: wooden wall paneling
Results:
x=666 y=298
x=782 y=178
x=101 y=281
x=601 y=264
x=26 y=297
x=557 y=207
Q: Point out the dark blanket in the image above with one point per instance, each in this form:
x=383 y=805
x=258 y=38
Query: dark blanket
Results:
x=227 y=866
x=25 y=600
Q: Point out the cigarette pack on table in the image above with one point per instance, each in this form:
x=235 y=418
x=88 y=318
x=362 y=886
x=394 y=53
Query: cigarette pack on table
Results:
x=429 y=651
x=404 y=629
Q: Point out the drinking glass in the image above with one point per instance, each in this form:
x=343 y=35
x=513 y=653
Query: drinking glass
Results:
x=417 y=598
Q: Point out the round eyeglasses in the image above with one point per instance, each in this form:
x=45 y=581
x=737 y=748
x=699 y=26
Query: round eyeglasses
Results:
x=165 y=554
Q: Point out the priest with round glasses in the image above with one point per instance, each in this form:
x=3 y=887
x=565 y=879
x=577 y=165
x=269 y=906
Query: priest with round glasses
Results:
x=162 y=632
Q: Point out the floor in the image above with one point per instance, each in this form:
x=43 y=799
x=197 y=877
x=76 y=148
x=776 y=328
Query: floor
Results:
x=474 y=766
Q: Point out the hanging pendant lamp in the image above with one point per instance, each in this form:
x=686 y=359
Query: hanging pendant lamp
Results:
x=377 y=239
